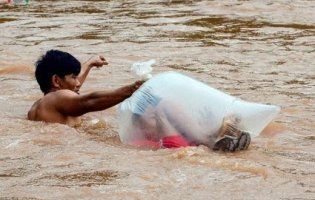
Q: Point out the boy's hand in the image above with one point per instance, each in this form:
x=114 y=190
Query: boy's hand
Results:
x=136 y=85
x=98 y=62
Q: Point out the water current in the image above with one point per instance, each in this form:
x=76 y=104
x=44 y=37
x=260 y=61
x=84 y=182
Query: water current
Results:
x=260 y=51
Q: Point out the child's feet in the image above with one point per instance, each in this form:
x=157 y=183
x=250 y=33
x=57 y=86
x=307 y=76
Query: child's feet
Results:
x=230 y=137
x=233 y=143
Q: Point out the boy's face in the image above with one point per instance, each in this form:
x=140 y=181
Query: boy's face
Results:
x=70 y=82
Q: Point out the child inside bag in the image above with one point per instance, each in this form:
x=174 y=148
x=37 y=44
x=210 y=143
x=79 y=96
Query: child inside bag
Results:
x=167 y=125
x=173 y=110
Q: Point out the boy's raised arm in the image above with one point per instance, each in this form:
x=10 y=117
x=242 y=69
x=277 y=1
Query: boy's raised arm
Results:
x=98 y=62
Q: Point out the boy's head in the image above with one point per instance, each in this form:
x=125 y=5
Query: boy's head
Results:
x=57 y=70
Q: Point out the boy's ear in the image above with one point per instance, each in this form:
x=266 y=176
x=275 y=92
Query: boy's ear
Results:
x=55 y=81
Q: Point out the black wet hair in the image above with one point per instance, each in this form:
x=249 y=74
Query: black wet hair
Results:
x=55 y=62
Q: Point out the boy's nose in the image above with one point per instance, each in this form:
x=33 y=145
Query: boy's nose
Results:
x=78 y=83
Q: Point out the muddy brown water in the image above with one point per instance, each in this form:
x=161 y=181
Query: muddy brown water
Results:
x=261 y=51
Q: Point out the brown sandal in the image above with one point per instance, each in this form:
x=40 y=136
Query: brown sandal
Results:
x=233 y=143
x=231 y=138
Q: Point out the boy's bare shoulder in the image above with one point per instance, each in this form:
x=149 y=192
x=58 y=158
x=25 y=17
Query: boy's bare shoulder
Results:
x=57 y=97
x=48 y=102
x=31 y=115
x=61 y=93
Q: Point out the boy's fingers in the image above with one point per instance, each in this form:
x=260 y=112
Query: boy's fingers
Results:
x=102 y=58
x=139 y=83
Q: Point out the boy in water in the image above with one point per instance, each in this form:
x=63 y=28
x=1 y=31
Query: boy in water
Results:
x=60 y=77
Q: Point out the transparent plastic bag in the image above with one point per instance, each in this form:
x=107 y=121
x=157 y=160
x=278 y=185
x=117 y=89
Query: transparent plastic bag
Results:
x=171 y=103
x=142 y=70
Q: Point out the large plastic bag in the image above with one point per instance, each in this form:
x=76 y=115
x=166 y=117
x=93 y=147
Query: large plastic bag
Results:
x=142 y=70
x=192 y=108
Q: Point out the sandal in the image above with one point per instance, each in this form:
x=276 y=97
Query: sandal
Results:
x=233 y=143
x=226 y=143
x=230 y=138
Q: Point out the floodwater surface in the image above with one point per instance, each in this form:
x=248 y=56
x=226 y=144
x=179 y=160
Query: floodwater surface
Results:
x=260 y=51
